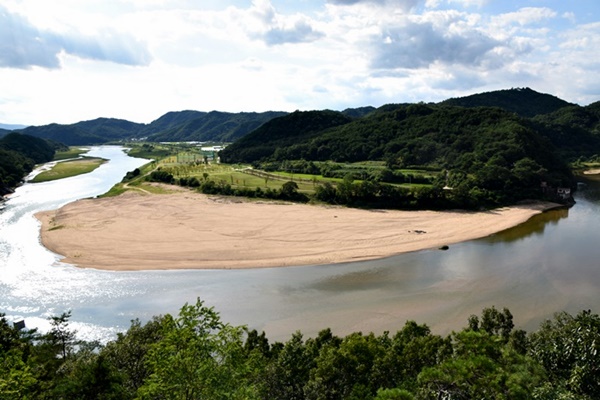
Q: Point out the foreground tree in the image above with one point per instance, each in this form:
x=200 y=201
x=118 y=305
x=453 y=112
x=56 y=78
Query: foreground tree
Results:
x=569 y=349
x=197 y=357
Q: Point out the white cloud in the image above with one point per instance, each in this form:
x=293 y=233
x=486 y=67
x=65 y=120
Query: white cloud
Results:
x=137 y=59
x=525 y=16
x=23 y=45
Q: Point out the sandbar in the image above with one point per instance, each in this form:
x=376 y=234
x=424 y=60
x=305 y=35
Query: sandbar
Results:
x=189 y=230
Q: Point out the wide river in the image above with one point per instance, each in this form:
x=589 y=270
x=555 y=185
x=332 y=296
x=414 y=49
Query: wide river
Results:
x=549 y=264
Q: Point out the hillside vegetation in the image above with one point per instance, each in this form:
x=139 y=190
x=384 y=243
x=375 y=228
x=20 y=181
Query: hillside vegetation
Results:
x=173 y=126
x=196 y=355
x=487 y=155
x=18 y=156
x=522 y=101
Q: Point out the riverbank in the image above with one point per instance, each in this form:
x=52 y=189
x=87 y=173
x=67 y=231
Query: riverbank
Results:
x=187 y=230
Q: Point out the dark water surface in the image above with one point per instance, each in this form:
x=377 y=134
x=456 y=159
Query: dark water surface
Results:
x=551 y=263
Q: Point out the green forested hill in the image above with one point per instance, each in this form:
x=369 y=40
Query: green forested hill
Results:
x=70 y=135
x=487 y=153
x=18 y=155
x=170 y=120
x=173 y=126
x=110 y=128
x=523 y=101
x=215 y=126
x=281 y=134
x=574 y=130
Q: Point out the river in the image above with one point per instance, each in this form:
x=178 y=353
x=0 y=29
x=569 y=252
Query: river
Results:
x=549 y=264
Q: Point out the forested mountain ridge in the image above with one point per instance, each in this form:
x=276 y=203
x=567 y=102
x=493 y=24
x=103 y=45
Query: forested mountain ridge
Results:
x=170 y=120
x=523 y=101
x=189 y=125
x=173 y=126
x=282 y=133
x=215 y=126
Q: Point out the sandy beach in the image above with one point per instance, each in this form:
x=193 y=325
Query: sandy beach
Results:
x=188 y=230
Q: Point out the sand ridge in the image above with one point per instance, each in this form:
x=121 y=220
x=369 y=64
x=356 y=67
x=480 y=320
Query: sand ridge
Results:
x=188 y=230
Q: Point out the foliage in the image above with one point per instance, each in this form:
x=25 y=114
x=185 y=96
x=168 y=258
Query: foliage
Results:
x=18 y=156
x=569 y=349
x=279 y=133
x=523 y=101
x=195 y=355
x=489 y=156
x=214 y=126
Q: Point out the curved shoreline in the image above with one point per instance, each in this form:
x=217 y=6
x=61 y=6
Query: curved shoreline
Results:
x=193 y=231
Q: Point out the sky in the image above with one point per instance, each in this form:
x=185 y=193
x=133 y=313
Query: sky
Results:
x=65 y=61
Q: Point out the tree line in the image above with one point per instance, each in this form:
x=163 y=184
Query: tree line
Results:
x=196 y=355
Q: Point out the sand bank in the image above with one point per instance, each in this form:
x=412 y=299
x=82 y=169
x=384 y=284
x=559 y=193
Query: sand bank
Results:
x=189 y=230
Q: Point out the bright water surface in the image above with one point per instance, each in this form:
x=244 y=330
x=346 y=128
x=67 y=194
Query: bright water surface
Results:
x=549 y=264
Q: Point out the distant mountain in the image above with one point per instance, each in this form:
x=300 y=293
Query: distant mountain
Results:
x=110 y=128
x=11 y=127
x=171 y=120
x=70 y=135
x=358 y=112
x=522 y=101
x=173 y=126
x=282 y=132
x=4 y=132
x=216 y=126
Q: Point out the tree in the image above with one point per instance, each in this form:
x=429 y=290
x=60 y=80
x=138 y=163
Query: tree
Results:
x=61 y=336
x=197 y=357
x=287 y=375
x=569 y=349
x=128 y=353
x=289 y=190
x=482 y=367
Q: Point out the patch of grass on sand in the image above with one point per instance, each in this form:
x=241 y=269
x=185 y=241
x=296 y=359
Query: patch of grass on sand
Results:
x=67 y=169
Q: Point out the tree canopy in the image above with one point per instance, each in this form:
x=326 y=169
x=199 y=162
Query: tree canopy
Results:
x=196 y=355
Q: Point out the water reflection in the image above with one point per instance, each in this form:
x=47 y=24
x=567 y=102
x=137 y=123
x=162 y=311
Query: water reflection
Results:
x=535 y=226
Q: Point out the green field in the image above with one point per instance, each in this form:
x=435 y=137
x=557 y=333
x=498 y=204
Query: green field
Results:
x=185 y=161
x=67 y=169
x=73 y=152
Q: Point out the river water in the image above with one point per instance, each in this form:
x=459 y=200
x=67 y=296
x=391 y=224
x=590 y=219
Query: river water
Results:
x=549 y=264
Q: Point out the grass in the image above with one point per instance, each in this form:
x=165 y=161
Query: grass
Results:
x=66 y=169
x=73 y=152
x=172 y=157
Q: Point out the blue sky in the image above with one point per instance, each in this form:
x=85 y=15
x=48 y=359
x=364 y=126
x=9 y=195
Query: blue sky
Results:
x=69 y=60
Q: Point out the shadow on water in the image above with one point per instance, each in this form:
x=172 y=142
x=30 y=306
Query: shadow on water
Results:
x=535 y=226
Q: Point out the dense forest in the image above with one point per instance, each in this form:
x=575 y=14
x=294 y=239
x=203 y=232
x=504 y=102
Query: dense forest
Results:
x=196 y=355
x=18 y=156
x=488 y=155
x=522 y=101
